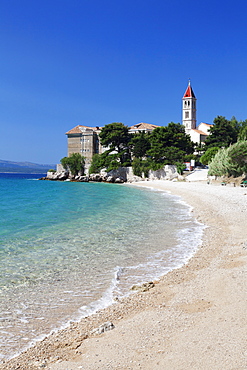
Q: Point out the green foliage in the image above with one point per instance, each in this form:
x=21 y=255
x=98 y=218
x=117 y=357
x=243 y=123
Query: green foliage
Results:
x=97 y=164
x=141 y=166
x=219 y=164
x=75 y=163
x=137 y=166
x=107 y=160
x=242 y=135
x=116 y=137
x=65 y=163
x=170 y=144
x=140 y=144
x=238 y=158
x=52 y=170
x=180 y=167
x=231 y=161
x=165 y=145
x=223 y=133
x=209 y=154
x=189 y=157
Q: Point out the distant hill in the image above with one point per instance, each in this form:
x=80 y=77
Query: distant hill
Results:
x=24 y=167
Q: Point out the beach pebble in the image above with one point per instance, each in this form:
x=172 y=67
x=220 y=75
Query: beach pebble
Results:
x=104 y=327
x=144 y=287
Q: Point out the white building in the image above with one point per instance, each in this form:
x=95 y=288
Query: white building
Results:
x=198 y=134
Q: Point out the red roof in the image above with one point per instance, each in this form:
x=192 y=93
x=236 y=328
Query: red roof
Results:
x=200 y=132
x=77 y=129
x=189 y=93
x=143 y=126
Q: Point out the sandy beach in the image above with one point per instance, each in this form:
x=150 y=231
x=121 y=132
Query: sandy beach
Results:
x=193 y=318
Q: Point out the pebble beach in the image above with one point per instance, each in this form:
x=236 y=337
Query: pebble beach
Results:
x=192 y=318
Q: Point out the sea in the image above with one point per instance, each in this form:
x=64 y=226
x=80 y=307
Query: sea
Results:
x=68 y=249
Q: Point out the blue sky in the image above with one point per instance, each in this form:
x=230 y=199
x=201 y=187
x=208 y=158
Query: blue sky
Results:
x=93 y=62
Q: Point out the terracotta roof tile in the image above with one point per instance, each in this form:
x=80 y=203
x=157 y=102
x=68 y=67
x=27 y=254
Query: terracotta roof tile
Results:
x=143 y=126
x=208 y=124
x=78 y=129
x=200 y=132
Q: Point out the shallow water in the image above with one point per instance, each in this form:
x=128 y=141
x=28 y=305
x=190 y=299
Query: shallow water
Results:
x=67 y=249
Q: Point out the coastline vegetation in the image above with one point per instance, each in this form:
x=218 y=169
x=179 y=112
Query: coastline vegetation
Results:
x=231 y=161
x=75 y=164
x=143 y=151
x=224 y=150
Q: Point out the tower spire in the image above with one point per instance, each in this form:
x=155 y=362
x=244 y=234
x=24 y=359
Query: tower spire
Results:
x=189 y=109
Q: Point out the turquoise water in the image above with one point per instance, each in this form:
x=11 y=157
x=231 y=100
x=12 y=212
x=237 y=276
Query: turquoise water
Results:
x=68 y=249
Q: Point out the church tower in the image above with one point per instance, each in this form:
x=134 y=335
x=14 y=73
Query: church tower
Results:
x=189 y=109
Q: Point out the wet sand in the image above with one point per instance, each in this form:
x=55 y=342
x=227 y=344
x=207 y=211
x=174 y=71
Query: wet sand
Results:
x=193 y=318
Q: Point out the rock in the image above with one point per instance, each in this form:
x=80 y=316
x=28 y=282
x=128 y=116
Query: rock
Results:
x=109 y=179
x=144 y=287
x=62 y=176
x=95 y=177
x=118 y=180
x=104 y=327
x=83 y=178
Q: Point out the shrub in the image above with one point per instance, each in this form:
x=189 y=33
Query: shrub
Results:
x=75 y=163
x=231 y=161
x=180 y=167
x=208 y=155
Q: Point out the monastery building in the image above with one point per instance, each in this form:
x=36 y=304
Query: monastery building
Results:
x=85 y=140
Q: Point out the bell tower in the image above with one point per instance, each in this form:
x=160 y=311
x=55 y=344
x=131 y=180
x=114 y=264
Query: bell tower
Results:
x=189 y=109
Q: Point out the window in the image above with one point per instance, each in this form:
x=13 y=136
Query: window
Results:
x=187 y=114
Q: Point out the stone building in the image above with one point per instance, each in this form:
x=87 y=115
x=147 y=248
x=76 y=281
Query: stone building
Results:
x=85 y=140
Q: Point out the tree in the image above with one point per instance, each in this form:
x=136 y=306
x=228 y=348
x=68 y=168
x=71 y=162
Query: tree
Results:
x=170 y=144
x=209 y=154
x=222 y=133
x=238 y=158
x=116 y=137
x=140 y=144
x=242 y=134
x=75 y=163
x=97 y=164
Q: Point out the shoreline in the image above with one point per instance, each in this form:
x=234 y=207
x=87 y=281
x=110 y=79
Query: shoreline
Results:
x=155 y=329
x=182 y=249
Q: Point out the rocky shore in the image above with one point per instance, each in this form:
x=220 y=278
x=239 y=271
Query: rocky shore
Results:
x=193 y=318
x=119 y=176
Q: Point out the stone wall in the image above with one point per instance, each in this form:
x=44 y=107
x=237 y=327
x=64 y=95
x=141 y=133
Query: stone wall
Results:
x=168 y=172
x=122 y=174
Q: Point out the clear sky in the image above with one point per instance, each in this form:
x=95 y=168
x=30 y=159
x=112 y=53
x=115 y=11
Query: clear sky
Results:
x=93 y=62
